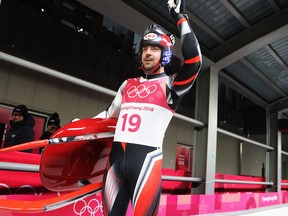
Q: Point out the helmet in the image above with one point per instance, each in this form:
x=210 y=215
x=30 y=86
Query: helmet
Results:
x=154 y=35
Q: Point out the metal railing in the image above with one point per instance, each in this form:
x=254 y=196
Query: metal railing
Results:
x=19 y=167
x=243 y=182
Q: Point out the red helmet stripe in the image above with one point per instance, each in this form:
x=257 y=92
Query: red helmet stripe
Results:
x=166 y=41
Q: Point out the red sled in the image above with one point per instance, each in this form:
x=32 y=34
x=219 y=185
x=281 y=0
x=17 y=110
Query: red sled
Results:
x=73 y=160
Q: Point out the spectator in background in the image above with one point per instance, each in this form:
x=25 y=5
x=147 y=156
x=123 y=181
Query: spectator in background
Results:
x=52 y=126
x=21 y=127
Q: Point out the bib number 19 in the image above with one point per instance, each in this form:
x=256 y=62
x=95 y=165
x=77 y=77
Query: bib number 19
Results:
x=131 y=123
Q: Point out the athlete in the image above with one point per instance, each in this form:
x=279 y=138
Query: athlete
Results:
x=144 y=107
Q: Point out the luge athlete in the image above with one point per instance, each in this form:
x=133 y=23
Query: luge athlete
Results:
x=144 y=107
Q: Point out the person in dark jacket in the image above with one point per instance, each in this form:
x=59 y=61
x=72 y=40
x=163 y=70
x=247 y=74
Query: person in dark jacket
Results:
x=52 y=126
x=21 y=127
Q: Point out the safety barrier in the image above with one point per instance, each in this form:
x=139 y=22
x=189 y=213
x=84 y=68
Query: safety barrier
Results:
x=225 y=183
x=171 y=204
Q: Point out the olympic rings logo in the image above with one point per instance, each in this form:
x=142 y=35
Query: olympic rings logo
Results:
x=141 y=91
x=80 y=208
x=92 y=207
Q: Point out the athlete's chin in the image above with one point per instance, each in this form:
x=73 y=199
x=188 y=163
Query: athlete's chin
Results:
x=148 y=68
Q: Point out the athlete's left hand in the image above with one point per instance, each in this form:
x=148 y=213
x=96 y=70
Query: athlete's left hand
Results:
x=176 y=6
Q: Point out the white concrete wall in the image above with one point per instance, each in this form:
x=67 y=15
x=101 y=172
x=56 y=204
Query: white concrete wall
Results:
x=47 y=94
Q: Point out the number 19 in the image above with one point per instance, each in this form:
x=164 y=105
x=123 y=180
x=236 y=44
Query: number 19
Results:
x=133 y=122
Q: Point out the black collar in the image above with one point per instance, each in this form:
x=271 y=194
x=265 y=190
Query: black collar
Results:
x=152 y=76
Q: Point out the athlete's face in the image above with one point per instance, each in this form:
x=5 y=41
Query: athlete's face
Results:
x=150 y=57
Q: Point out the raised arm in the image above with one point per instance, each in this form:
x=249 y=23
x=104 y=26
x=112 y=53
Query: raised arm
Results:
x=190 y=50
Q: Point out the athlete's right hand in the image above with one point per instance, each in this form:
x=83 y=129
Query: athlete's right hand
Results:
x=75 y=119
x=101 y=115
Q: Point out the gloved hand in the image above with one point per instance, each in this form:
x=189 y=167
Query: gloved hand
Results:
x=175 y=7
x=75 y=119
x=101 y=115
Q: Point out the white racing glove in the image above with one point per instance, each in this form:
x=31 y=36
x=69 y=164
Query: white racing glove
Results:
x=75 y=119
x=174 y=5
x=177 y=9
x=101 y=115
